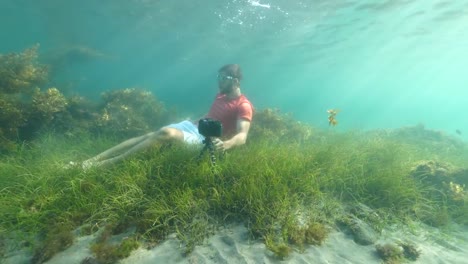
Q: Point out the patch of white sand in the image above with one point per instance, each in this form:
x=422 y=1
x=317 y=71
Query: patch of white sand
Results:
x=232 y=245
x=76 y=253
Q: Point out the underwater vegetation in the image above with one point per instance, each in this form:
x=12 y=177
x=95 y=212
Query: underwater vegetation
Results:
x=445 y=183
x=332 y=117
x=289 y=194
x=57 y=239
x=106 y=251
x=11 y=119
x=130 y=112
x=291 y=185
x=28 y=108
x=394 y=253
x=270 y=124
x=21 y=72
x=410 y=251
x=390 y=253
x=68 y=55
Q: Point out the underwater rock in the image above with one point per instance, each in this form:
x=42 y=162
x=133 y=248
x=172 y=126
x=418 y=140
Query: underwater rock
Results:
x=63 y=60
x=131 y=112
x=362 y=232
x=275 y=126
x=420 y=133
x=21 y=72
x=410 y=250
x=82 y=108
x=444 y=176
x=434 y=140
x=46 y=104
x=90 y=260
x=79 y=118
x=364 y=223
x=432 y=172
x=42 y=112
x=461 y=176
x=68 y=55
x=12 y=118
x=390 y=252
x=367 y=214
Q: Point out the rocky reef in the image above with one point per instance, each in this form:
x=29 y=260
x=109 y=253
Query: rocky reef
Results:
x=28 y=107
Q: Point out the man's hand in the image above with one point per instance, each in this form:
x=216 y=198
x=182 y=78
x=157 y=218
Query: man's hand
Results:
x=237 y=140
x=219 y=144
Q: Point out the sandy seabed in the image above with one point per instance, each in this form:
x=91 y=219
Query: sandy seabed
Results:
x=232 y=245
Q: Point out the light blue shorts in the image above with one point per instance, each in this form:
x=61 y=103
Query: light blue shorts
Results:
x=190 y=131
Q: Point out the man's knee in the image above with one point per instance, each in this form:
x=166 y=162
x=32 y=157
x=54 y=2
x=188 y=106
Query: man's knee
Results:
x=169 y=134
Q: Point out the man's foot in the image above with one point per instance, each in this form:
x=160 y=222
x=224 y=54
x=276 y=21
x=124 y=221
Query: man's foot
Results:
x=70 y=165
x=85 y=165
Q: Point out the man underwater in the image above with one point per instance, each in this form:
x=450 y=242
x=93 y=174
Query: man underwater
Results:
x=230 y=107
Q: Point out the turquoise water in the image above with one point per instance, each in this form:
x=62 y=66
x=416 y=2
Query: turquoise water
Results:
x=384 y=64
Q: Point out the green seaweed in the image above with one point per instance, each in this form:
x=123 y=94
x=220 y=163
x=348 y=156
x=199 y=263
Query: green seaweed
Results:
x=56 y=240
x=107 y=253
x=410 y=251
x=280 y=249
x=390 y=253
x=286 y=191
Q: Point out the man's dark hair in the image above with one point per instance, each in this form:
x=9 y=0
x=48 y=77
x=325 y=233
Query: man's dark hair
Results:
x=233 y=70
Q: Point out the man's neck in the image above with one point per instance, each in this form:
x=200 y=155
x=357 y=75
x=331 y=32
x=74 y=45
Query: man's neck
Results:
x=234 y=94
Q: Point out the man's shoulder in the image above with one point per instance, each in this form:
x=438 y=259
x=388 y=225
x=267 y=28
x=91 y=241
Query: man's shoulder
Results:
x=243 y=99
x=244 y=102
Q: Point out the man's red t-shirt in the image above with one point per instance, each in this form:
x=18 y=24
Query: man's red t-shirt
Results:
x=229 y=111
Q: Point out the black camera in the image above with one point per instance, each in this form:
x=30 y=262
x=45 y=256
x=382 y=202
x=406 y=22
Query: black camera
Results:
x=210 y=127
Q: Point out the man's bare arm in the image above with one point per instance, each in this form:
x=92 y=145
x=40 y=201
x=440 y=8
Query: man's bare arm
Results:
x=243 y=126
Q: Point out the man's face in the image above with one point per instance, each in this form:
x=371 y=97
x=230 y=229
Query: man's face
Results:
x=226 y=83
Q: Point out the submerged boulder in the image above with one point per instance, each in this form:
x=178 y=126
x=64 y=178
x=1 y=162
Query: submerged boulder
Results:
x=363 y=223
x=432 y=172
x=362 y=232
x=442 y=176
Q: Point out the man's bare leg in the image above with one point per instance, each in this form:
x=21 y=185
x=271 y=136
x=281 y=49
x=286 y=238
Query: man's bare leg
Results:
x=127 y=144
x=163 y=135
